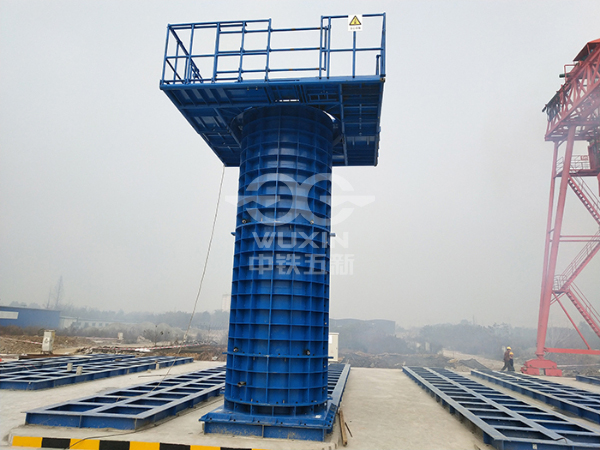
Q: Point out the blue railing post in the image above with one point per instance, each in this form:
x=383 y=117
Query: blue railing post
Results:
x=166 y=53
x=216 y=59
x=188 y=71
x=240 y=70
x=383 y=47
x=354 y=54
x=268 y=50
x=321 y=47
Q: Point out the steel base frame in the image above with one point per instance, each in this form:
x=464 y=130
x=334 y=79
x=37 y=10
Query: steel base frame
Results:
x=505 y=422
x=580 y=402
x=590 y=380
x=47 y=378
x=308 y=427
x=57 y=361
x=134 y=407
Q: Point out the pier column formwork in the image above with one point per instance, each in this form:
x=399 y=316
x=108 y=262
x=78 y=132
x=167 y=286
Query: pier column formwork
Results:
x=285 y=116
x=278 y=328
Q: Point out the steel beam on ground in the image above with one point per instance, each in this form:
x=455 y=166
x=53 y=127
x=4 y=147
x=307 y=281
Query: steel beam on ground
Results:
x=505 y=422
x=133 y=407
x=46 y=378
x=580 y=402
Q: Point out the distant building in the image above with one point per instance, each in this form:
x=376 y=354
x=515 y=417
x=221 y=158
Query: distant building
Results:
x=29 y=317
x=383 y=325
x=78 y=322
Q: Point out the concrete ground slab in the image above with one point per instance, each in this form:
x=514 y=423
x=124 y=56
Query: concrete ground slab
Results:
x=383 y=408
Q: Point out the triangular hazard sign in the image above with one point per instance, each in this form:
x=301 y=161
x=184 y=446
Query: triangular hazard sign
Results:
x=355 y=22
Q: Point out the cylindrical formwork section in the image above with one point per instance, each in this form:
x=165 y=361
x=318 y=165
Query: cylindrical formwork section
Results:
x=278 y=330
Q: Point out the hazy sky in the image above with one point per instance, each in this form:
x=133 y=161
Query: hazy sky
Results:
x=104 y=183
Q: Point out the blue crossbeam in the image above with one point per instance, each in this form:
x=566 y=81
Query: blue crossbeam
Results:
x=580 y=402
x=133 y=407
x=591 y=380
x=56 y=361
x=505 y=422
x=51 y=377
x=301 y=427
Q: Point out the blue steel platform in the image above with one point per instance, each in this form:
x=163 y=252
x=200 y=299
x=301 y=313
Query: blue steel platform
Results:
x=580 y=402
x=505 y=422
x=134 y=407
x=57 y=361
x=215 y=71
x=301 y=427
x=591 y=380
x=46 y=378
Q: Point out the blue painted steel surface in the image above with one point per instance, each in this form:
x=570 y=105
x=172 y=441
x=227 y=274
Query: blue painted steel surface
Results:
x=591 y=380
x=133 y=407
x=29 y=317
x=580 y=402
x=25 y=365
x=301 y=427
x=277 y=353
x=213 y=72
x=46 y=378
x=505 y=422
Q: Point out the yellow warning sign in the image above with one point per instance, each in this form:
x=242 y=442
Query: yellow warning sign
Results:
x=355 y=22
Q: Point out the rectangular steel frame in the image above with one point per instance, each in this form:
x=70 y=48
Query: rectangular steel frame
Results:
x=46 y=378
x=580 y=402
x=134 y=407
x=505 y=422
x=56 y=361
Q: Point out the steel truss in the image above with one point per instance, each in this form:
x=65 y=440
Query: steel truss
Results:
x=573 y=115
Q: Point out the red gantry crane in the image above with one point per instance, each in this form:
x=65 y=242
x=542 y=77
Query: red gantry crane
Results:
x=573 y=115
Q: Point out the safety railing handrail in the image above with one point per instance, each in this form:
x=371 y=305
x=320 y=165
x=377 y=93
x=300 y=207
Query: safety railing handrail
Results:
x=591 y=311
x=179 y=52
x=561 y=281
x=589 y=194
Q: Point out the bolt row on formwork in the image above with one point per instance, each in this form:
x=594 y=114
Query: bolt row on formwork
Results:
x=576 y=401
x=46 y=378
x=504 y=421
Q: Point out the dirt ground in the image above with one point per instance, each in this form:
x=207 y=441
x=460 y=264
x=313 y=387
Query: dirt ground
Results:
x=27 y=344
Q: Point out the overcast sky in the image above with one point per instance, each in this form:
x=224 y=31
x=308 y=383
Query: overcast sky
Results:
x=104 y=183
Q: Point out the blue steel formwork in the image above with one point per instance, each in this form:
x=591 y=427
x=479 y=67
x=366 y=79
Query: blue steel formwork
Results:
x=133 y=407
x=51 y=377
x=584 y=379
x=25 y=365
x=580 y=402
x=285 y=114
x=505 y=422
x=137 y=406
x=305 y=427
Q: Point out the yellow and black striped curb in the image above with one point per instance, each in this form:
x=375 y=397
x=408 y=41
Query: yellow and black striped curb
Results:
x=101 y=444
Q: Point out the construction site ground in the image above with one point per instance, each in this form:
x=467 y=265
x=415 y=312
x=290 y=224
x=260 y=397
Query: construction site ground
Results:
x=383 y=408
